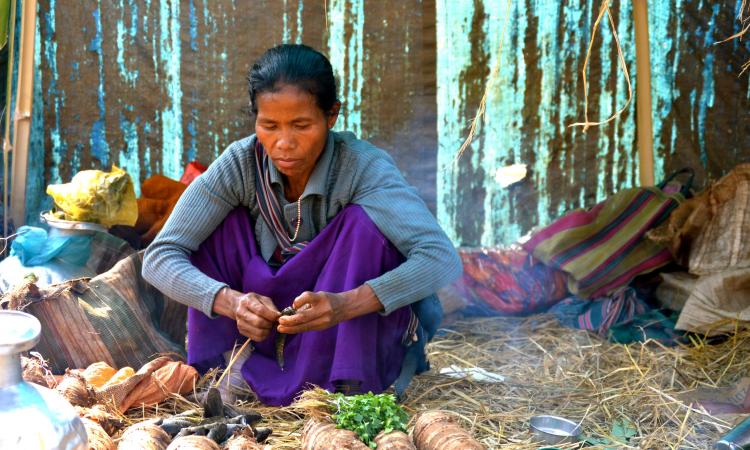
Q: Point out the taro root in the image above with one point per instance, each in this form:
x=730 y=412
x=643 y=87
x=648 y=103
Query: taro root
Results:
x=144 y=436
x=438 y=430
x=193 y=442
x=99 y=414
x=34 y=371
x=74 y=388
x=395 y=440
x=317 y=435
x=98 y=438
x=242 y=442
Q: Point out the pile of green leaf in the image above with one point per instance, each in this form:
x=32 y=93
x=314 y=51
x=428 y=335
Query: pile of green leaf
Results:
x=368 y=415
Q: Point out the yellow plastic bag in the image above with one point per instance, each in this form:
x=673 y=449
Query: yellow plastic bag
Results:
x=95 y=196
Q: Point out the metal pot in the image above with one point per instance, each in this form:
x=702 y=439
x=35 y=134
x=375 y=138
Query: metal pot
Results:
x=31 y=416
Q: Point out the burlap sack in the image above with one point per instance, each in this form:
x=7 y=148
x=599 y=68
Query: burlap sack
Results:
x=115 y=317
x=717 y=302
x=709 y=233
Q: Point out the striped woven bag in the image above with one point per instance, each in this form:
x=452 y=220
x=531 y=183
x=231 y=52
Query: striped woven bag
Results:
x=603 y=248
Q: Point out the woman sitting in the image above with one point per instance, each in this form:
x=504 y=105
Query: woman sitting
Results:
x=299 y=215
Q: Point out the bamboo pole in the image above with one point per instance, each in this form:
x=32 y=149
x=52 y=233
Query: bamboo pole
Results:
x=22 y=116
x=644 y=126
x=8 y=96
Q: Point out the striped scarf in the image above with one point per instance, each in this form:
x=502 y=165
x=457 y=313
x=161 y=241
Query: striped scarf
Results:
x=270 y=209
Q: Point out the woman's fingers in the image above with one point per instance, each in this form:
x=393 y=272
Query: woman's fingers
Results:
x=319 y=323
x=261 y=306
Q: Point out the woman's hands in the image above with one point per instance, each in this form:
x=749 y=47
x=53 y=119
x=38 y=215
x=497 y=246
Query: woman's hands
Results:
x=255 y=314
x=321 y=310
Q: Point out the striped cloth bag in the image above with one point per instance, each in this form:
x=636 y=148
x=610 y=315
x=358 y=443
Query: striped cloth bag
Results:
x=603 y=248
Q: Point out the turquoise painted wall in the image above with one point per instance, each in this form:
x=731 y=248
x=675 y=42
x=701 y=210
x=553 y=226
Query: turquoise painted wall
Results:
x=153 y=84
x=539 y=93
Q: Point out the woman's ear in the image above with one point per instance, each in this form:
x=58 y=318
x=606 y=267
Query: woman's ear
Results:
x=333 y=115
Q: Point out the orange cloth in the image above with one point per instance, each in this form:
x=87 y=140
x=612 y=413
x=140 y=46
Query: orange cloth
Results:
x=174 y=377
x=159 y=195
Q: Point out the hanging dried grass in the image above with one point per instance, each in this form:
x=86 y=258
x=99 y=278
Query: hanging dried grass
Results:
x=491 y=81
x=744 y=18
x=603 y=9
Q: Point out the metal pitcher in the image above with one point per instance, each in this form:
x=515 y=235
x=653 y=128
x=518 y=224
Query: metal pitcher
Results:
x=31 y=416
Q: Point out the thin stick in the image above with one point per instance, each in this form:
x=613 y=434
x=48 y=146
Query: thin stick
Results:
x=8 y=86
x=231 y=362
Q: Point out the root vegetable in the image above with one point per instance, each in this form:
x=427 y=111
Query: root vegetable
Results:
x=98 y=438
x=99 y=414
x=193 y=442
x=35 y=371
x=324 y=435
x=74 y=388
x=243 y=440
x=242 y=443
x=395 y=440
x=144 y=436
x=438 y=430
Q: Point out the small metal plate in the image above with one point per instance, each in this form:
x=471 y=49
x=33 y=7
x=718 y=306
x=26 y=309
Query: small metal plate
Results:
x=54 y=222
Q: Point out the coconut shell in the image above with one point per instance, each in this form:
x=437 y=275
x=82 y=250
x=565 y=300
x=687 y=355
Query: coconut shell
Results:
x=98 y=438
x=438 y=430
x=193 y=442
x=395 y=440
x=75 y=390
x=317 y=435
x=143 y=436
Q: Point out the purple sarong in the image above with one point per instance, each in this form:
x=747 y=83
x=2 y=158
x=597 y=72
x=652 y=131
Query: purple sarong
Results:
x=349 y=251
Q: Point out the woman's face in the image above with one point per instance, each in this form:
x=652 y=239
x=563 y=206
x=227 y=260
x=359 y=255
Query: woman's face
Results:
x=293 y=130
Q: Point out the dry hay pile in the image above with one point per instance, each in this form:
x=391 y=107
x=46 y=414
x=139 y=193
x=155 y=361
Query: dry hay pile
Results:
x=549 y=369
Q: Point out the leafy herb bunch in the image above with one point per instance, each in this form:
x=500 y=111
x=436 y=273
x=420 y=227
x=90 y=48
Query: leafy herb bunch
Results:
x=369 y=414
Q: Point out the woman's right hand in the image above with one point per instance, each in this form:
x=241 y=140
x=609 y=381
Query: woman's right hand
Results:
x=255 y=314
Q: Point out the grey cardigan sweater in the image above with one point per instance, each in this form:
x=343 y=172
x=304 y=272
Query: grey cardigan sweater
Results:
x=349 y=171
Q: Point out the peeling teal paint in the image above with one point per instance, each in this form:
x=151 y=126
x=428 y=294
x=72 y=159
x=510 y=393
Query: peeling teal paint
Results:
x=171 y=117
x=193 y=27
x=36 y=200
x=128 y=158
x=346 y=51
x=503 y=137
x=59 y=147
x=98 y=135
x=125 y=39
x=707 y=93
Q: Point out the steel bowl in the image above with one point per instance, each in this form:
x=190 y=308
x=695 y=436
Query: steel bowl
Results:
x=67 y=227
x=554 y=430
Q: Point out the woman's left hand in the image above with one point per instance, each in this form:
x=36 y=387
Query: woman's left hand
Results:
x=315 y=311
x=321 y=310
